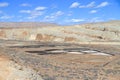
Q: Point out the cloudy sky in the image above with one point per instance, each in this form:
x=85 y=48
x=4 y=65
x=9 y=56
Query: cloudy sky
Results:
x=59 y=11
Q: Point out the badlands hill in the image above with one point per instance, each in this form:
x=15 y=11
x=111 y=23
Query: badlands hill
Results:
x=25 y=24
x=90 y=32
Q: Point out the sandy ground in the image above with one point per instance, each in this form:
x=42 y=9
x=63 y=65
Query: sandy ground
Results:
x=61 y=61
x=12 y=71
x=4 y=69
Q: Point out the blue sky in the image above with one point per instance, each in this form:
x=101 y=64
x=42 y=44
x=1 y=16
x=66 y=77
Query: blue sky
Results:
x=59 y=11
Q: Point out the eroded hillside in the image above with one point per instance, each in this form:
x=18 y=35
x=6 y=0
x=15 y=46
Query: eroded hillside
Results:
x=92 y=32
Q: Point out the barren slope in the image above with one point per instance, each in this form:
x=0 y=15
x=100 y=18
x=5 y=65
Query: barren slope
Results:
x=10 y=70
x=92 y=32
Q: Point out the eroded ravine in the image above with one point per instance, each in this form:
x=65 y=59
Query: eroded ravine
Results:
x=9 y=70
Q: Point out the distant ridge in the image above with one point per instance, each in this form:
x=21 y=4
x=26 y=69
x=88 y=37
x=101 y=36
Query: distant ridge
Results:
x=26 y=24
x=36 y=31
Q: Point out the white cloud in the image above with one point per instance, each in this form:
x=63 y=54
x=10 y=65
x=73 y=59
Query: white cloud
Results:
x=103 y=4
x=77 y=20
x=25 y=11
x=90 y=5
x=53 y=16
x=93 y=11
x=25 y=5
x=35 y=14
x=59 y=13
x=31 y=17
x=75 y=5
x=112 y=19
x=40 y=8
x=38 y=11
x=96 y=19
x=70 y=13
x=4 y=4
x=82 y=6
x=53 y=6
x=32 y=13
x=6 y=17
x=1 y=12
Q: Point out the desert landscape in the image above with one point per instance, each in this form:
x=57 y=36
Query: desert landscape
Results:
x=47 y=51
